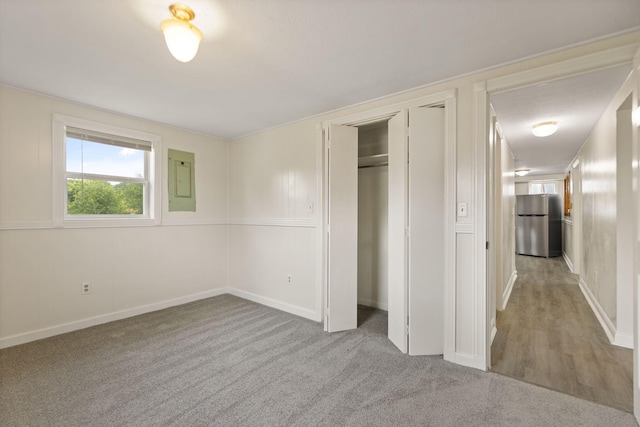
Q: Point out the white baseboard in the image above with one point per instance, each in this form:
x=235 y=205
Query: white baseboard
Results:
x=506 y=294
x=26 y=337
x=494 y=329
x=624 y=340
x=269 y=302
x=374 y=304
x=568 y=261
x=602 y=317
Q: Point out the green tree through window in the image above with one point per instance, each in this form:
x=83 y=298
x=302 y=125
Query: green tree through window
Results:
x=92 y=197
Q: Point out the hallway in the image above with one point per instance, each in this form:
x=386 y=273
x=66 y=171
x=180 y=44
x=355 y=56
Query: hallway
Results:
x=549 y=336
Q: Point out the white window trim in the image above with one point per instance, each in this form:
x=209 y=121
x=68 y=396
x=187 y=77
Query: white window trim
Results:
x=543 y=183
x=60 y=122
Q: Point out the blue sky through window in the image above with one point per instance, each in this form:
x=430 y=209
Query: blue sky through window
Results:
x=103 y=159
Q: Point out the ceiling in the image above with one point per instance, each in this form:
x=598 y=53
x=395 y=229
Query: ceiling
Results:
x=575 y=103
x=263 y=63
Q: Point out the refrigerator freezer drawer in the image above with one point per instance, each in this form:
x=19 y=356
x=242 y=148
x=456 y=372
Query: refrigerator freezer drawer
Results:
x=532 y=236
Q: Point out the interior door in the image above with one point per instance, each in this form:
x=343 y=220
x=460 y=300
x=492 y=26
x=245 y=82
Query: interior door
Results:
x=397 y=244
x=342 y=230
x=426 y=231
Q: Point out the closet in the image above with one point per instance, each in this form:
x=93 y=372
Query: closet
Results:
x=373 y=177
x=385 y=229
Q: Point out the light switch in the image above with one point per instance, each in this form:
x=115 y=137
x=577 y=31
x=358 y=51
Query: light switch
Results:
x=462 y=209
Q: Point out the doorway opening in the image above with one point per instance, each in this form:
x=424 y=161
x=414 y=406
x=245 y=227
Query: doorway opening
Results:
x=373 y=208
x=387 y=243
x=556 y=328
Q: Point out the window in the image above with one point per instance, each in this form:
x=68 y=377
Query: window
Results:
x=105 y=175
x=567 y=194
x=542 y=187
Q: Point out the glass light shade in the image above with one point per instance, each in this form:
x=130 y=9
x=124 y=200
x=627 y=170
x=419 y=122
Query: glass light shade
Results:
x=522 y=172
x=544 y=129
x=183 y=39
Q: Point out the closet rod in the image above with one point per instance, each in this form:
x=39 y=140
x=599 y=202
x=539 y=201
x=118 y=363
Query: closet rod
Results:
x=374 y=165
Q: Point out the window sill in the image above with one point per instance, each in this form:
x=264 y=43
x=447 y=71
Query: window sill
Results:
x=107 y=223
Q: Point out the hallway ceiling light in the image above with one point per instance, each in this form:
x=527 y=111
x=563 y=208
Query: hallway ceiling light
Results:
x=544 y=128
x=182 y=38
x=522 y=172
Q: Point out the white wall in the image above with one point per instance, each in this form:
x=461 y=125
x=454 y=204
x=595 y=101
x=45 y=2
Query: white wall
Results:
x=625 y=212
x=131 y=270
x=567 y=241
x=259 y=162
x=508 y=205
x=272 y=178
x=602 y=223
x=272 y=186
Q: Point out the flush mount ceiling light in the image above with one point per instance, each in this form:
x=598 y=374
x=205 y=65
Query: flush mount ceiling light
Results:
x=182 y=38
x=544 y=128
x=522 y=172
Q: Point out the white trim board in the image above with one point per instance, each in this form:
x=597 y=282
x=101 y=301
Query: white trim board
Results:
x=568 y=261
x=606 y=324
x=26 y=225
x=193 y=221
x=51 y=331
x=506 y=294
x=184 y=221
x=274 y=222
x=494 y=330
x=279 y=305
x=39 y=334
x=624 y=340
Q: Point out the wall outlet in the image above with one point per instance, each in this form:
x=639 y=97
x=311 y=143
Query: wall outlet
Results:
x=289 y=279
x=86 y=288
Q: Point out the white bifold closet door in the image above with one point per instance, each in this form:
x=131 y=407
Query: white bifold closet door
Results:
x=397 y=242
x=342 y=239
x=416 y=231
x=426 y=231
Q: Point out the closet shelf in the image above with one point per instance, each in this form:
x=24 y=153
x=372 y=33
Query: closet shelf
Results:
x=374 y=160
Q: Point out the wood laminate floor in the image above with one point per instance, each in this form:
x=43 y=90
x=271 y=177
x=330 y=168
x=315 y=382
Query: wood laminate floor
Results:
x=549 y=336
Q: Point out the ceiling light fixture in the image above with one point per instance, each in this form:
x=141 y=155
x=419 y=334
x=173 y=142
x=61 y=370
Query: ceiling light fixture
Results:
x=182 y=38
x=544 y=128
x=522 y=172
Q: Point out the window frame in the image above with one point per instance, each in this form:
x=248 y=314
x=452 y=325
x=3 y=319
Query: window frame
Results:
x=153 y=168
x=543 y=183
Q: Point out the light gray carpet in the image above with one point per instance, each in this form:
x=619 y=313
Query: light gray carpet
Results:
x=229 y=362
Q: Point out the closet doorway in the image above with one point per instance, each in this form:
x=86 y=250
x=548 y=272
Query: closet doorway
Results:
x=385 y=204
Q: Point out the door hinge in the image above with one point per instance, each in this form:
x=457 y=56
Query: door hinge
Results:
x=487 y=245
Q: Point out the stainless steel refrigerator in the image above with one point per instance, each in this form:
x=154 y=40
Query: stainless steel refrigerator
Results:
x=539 y=225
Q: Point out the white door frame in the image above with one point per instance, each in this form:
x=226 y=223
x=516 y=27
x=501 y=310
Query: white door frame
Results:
x=622 y=55
x=448 y=99
x=635 y=142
